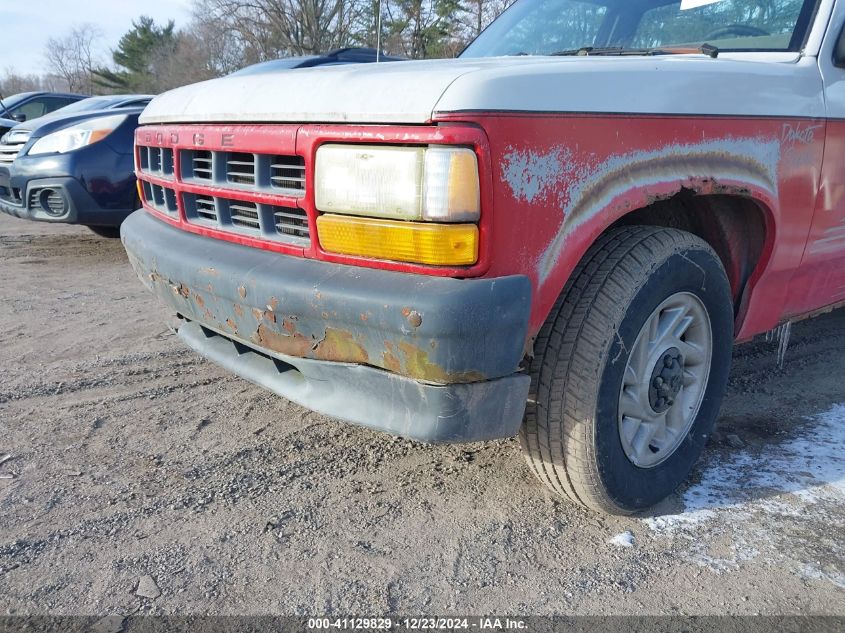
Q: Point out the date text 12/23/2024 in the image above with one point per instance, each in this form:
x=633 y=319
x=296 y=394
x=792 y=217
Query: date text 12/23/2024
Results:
x=418 y=624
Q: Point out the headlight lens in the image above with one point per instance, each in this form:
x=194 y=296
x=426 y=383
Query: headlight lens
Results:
x=437 y=183
x=76 y=136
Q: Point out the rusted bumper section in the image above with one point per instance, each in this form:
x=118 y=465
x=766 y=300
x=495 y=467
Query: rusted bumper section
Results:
x=428 y=358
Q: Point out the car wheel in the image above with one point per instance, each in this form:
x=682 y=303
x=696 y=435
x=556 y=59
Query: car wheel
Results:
x=106 y=231
x=630 y=369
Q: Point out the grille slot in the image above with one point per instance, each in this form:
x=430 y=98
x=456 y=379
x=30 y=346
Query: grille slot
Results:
x=291 y=222
x=240 y=168
x=154 y=159
x=198 y=165
x=205 y=208
x=160 y=198
x=157 y=161
x=200 y=209
x=244 y=215
x=288 y=173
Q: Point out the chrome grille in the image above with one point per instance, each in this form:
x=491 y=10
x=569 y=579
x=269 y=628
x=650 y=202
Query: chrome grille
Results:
x=8 y=153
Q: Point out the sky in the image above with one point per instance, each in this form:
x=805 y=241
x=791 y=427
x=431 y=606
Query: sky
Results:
x=28 y=24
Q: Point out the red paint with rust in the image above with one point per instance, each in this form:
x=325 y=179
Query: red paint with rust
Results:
x=521 y=234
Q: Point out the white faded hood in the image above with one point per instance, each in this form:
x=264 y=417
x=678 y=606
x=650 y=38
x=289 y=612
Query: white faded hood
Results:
x=389 y=92
x=414 y=91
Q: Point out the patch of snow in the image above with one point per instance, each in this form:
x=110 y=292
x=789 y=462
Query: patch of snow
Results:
x=836 y=577
x=745 y=498
x=626 y=539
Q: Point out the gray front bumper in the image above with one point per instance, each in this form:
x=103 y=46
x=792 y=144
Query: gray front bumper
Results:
x=427 y=358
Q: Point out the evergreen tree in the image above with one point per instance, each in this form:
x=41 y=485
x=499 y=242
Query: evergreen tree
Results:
x=136 y=56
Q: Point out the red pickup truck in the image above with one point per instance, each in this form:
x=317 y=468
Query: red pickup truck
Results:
x=558 y=235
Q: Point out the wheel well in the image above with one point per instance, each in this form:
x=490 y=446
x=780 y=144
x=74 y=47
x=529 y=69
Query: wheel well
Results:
x=734 y=226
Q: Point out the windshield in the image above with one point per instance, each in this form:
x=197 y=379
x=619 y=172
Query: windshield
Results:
x=549 y=27
x=12 y=101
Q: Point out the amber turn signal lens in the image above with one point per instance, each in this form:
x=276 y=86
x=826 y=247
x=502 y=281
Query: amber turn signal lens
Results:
x=415 y=242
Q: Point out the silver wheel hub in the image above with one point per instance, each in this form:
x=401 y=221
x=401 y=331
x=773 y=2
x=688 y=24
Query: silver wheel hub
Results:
x=665 y=380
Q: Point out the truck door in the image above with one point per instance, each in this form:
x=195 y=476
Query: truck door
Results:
x=821 y=279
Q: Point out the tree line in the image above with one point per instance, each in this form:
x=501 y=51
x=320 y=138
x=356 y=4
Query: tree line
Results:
x=225 y=35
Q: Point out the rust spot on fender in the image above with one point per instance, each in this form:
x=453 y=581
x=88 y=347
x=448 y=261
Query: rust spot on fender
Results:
x=199 y=300
x=239 y=310
x=242 y=292
x=232 y=325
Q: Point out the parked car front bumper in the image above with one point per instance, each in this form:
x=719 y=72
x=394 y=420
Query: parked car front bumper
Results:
x=428 y=358
x=79 y=187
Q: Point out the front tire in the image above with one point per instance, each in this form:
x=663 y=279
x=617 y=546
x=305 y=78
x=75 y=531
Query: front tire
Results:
x=630 y=369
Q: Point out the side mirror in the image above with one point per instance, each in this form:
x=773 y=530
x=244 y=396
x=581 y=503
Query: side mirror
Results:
x=839 y=51
x=20 y=117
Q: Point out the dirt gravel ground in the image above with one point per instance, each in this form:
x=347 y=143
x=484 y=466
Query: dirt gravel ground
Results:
x=130 y=456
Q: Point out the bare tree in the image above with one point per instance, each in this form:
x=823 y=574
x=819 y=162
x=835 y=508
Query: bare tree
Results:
x=479 y=13
x=73 y=57
x=194 y=58
x=12 y=83
x=274 y=28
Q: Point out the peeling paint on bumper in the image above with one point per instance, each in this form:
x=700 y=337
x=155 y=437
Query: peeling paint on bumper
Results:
x=428 y=332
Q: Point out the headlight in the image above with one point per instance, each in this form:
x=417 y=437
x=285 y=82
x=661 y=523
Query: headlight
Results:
x=77 y=136
x=437 y=183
